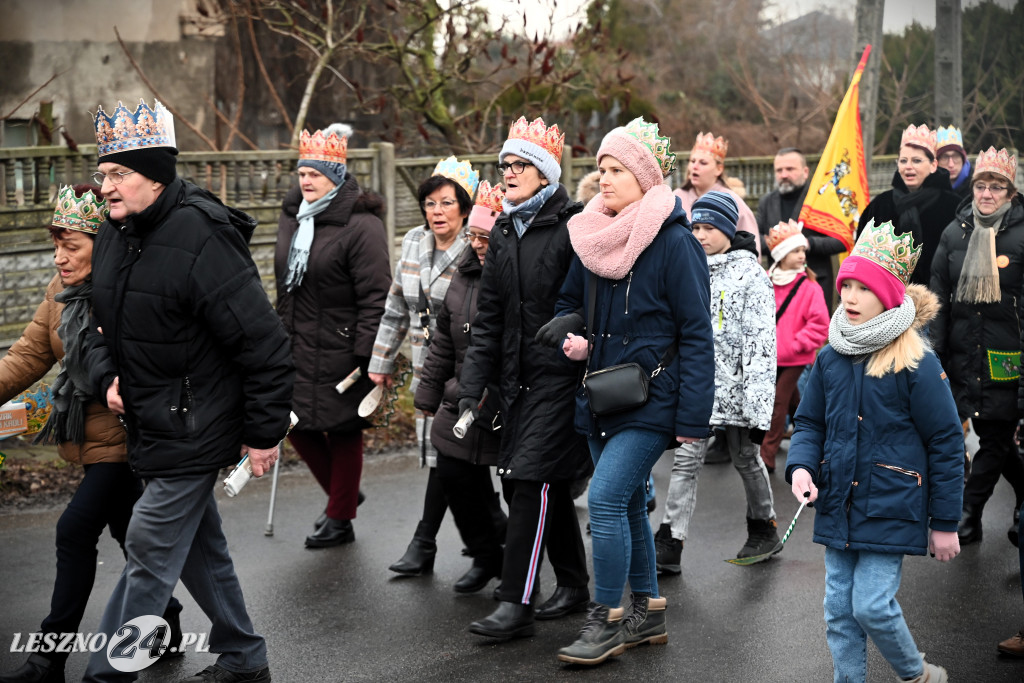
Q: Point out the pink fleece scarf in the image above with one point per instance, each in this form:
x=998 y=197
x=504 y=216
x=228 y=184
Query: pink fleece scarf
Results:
x=609 y=244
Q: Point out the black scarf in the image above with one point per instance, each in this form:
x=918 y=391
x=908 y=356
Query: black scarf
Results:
x=71 y=388
x=910 y=205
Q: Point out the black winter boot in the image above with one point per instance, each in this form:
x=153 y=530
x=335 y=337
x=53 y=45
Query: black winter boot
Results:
x=333 y=532
x=419 y=556
x=38 y=669
x=510 y=620
x=602 y=637
x=762 y=537
x=668 y=551
x=969 y=530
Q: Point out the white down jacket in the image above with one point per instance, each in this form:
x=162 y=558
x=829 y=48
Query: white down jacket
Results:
x=743 y=319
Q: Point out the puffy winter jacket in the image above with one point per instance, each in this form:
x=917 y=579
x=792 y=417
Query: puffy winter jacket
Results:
x=663 y=301
x=803 y=327
x=980 y=344
x=203 y=361
x=32 y=356
x=743 y=321
x=438 y=391
x=333 y=315
x=886 y=453
x=518 y=292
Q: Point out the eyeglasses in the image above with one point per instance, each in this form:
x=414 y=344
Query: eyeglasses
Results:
x=445 y=204
x=116 y=178
x=516 y=166
x=475 y=236
x=949 y=156
x=994 y=189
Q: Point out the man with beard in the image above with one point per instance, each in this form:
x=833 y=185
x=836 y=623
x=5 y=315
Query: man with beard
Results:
x=784 y=203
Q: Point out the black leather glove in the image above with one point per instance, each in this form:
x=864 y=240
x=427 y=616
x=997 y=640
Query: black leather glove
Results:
x=757 y=435
x=469 y=404
x=556 y=330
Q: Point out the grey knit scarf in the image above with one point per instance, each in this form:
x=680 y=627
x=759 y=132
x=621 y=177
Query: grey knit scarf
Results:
x=872 y=335
x=979 y=277
x=71 y=388
x=298 y=253
x=523 y=213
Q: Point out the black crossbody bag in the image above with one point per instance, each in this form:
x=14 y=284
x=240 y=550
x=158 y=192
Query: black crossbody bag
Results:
x=617 y=388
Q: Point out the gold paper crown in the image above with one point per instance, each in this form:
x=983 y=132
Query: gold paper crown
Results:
x=459 y=172
x=896 y=253
x=647 y=134
x=548 y=139
x=489 y=196
x=1001 y=162
x=919 y=136
x=783 y=231
x=124 y=131
x=84 y=214
x=716 y=147
x=319 y=147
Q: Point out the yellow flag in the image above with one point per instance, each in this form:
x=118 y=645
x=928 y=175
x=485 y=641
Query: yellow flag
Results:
x=839 y=189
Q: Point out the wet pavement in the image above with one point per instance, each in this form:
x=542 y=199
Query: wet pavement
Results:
x=339 y=615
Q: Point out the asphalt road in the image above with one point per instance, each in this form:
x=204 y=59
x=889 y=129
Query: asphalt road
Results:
x=339 y=615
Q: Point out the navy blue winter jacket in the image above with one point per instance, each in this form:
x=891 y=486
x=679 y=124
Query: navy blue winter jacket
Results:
x=664 y=300
x=886 y=454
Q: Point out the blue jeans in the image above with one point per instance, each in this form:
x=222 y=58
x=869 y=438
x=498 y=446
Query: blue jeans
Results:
x=174 y=532
x=860 y=601
x=621 y=533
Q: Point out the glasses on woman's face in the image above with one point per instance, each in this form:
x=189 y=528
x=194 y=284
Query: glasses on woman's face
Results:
x=516 y=166
x=445 y=204
x=117 y=177
x=979 y=188
x=475 y=236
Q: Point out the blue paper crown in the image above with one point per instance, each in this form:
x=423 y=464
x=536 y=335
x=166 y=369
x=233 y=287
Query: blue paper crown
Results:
x=948 y=136
x=124 y=131
x=459 y=172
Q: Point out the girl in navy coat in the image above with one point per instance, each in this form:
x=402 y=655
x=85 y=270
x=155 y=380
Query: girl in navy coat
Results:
x=645 y=278
x=879 y=445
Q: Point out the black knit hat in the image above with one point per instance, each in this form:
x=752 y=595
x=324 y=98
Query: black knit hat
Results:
x=156 y=163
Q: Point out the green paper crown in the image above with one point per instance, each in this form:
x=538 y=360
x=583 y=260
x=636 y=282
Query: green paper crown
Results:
x=647 y=133
x=84 y=214
x=896 y=253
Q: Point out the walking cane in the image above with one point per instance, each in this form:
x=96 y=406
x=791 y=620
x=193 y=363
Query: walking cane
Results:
x=269 y=531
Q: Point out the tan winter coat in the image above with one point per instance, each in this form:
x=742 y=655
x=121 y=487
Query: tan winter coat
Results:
x=32 y=356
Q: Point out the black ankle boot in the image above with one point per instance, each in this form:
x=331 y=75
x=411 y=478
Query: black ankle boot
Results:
x=477 y=577
x=969 y=530
x=564 y=601
x=38 y=669
x=418 y=558
x=510 y=620
x=333 y=532
x=322 y=519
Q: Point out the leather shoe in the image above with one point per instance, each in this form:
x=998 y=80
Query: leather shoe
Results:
x=476 y=578
x=319 y=521
x=510 y=620
x=333 y=532
x=564 y=601
x=38 y=669
x=218 y=674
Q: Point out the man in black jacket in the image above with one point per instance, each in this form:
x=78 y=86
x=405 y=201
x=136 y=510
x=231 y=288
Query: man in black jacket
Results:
x=189 y=351
x=784 y=203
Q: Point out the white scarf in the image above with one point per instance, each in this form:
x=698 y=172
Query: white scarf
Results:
x=782 y=277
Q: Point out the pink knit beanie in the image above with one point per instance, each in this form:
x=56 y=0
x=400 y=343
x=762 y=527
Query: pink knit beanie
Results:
x=882 y=283
x=639 y=148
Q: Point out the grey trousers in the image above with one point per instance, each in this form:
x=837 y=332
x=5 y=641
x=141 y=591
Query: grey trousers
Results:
x=686 y=467
x=175 y=531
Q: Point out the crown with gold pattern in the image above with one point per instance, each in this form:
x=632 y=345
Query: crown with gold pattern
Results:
x=647 y=134
x=84 y=214
x=881 y=245
x=459 y=172
x=1002 y=163
x=783 y=231
x=716 y=147
x=124 y=131
x=331 y=148
x=919 y=136
x=490 y=196
x=950 y=136
x=550 y=139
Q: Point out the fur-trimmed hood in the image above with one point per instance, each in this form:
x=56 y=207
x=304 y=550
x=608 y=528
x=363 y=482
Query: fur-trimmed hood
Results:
x=926 y=303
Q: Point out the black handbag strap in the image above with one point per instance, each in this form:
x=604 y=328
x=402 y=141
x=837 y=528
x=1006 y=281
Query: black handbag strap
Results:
x=789 y=297
x=666 y=358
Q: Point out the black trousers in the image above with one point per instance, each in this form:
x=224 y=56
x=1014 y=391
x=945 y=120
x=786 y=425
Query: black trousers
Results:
x=540 y=515
x=104 y=499
x=997 y=455
x=470 y=495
